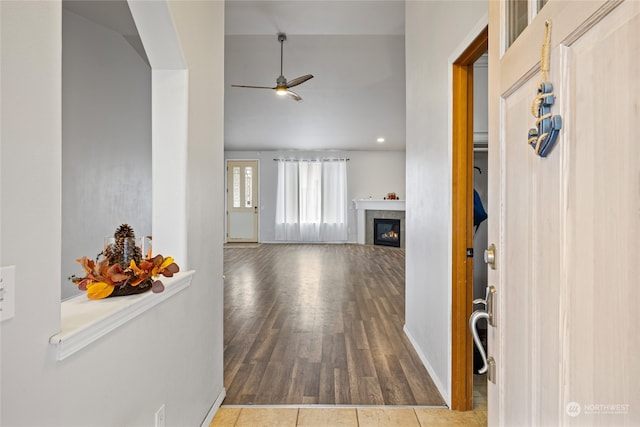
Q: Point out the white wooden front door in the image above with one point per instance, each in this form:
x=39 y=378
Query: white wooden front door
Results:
x=566 y=227
x=242 y=201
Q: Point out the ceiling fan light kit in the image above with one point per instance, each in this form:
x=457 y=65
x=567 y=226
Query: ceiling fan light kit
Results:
x=282 y=87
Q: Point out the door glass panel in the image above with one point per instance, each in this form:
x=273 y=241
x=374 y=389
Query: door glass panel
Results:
x=236 y=186
x=541 y=4
x=517 y=19
x=248 y=190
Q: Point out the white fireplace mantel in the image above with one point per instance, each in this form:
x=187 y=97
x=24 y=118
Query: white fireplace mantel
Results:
x=363 y=205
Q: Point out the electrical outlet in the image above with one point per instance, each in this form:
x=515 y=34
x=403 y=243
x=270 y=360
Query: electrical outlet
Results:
x=7 y=292
x=160 y=417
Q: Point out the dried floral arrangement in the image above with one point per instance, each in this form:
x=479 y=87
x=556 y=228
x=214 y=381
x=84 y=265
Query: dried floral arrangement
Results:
x=120 y=269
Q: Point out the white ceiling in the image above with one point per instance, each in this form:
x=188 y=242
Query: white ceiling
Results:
x=354 y=49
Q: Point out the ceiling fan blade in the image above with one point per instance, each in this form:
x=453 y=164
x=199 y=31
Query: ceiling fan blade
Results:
x=294 y=95
x=299 y=80
x=254 y=87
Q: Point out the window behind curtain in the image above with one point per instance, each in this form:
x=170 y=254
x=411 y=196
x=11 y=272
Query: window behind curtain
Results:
x=312 y=201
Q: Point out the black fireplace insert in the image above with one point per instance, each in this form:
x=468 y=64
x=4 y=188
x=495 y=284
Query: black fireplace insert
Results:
x=386 y=232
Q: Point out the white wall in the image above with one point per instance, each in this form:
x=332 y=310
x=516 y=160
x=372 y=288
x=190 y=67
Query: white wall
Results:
x=30 y=223
x=106 y=140
x=200 y=26
x=369 y=173
x=434 y=31
x=172 y=354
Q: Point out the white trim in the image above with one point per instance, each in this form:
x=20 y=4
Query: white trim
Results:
x=436 y=380
x=83 y=321
x=214 y=409
x=379 y=205
x=532 y=10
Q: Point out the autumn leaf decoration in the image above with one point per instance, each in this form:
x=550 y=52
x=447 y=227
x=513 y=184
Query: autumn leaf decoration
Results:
x=151 y=268
x=103 y=279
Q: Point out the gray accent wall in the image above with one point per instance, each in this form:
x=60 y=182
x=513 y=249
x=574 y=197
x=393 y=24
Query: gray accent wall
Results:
x=106 y=140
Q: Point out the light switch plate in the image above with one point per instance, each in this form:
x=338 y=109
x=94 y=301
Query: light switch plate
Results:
x=7 y=291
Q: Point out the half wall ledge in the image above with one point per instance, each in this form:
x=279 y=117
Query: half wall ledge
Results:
x=84 y=321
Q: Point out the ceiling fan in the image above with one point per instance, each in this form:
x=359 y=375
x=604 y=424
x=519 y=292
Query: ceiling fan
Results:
x=282 y=86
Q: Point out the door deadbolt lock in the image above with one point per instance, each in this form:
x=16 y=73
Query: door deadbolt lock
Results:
x=490 y=256
x=491 y=306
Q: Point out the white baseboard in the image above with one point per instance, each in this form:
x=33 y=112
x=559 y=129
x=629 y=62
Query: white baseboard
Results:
x=287 y=242
x=214 y=408
x=436 y=380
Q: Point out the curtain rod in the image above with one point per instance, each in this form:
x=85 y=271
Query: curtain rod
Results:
x=312 y=160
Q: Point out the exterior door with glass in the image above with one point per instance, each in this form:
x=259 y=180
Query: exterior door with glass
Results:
x=242 y=201
x=565 y=226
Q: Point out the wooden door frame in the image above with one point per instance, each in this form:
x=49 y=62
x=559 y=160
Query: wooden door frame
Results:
x=462 y=223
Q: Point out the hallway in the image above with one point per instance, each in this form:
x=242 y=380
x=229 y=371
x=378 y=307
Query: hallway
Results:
x=319 y=324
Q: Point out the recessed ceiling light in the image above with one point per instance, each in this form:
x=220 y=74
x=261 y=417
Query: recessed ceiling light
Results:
x=380 y=140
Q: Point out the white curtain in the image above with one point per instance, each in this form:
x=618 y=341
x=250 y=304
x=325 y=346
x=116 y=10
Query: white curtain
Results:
x=312 y=201
x=287 y=206
x=334 y=201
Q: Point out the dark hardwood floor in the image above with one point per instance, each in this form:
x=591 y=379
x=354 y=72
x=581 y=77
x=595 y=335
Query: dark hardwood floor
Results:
x=319 y=324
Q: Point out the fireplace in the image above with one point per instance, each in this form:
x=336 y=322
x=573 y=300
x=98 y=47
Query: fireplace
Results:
x=386 y=232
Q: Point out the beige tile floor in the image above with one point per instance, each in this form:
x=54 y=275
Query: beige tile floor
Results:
x=362 y=416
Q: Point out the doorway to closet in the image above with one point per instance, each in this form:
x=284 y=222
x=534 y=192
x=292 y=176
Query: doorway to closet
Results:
x=469 y=151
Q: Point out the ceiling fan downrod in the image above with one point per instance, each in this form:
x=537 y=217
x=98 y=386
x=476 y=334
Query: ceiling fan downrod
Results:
x=281 y=81
x=282 y=37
